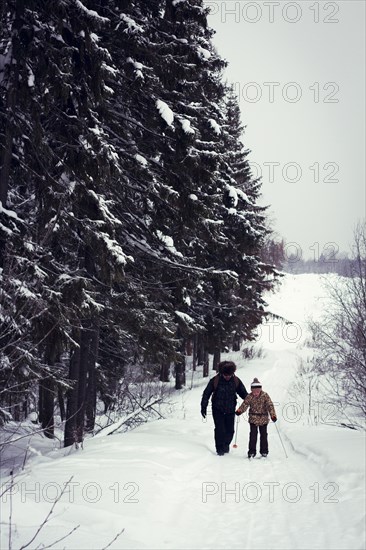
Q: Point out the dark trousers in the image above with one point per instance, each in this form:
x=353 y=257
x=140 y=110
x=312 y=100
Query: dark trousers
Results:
x=224 y=429
x=263 y=441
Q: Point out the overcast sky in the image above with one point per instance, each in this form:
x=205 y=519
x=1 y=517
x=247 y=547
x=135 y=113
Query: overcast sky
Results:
x=299 y=71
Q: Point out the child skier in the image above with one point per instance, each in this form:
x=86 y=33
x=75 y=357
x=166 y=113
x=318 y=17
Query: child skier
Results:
x=260 y=406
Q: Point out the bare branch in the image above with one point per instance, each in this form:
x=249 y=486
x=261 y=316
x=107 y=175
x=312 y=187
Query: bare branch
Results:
x=47 y=518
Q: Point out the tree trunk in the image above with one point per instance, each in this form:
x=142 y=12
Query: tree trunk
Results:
x=89 y=355
x=82 y=397
x=180 y=373
x=25 y=407
x=200 y=349
x=91 y=399
x=47 y=421
x=91 y=390
x=16 y=412
x=86 y=342
x=180 y=367
x=61 y=403
x=183 y=351
x=47 y=391
x=81 y=403
x=164 y=371
x=195 y=349
x=206 y=363
x=70 y=436
x=189 y=346
x=236 y=342
x=216 y=358
x=40 y=404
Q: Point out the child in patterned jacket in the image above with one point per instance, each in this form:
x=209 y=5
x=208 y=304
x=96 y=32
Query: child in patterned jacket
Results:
x=260 y=408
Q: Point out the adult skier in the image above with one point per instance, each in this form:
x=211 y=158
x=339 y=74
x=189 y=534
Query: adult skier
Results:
x=223 y=388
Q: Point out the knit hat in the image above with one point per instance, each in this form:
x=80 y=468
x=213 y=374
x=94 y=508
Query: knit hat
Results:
x=255 y=383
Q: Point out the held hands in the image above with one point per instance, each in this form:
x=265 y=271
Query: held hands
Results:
x=274 y=418
x=238 y=412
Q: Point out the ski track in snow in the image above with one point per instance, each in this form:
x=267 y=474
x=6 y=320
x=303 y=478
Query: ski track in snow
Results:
x=164 y=484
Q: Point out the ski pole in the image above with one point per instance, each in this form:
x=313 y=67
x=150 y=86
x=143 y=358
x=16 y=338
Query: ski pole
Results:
x=236 y=433
x=281 y=440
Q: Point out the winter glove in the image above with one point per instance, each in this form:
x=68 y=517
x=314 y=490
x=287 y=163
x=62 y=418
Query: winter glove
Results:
x=274 y=418
x=203 y=412
x=238 y=413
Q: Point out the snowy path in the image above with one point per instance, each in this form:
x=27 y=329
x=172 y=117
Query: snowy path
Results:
x=165 y=486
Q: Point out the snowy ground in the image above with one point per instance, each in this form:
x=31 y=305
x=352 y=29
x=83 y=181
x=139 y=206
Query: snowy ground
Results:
x=165 y=487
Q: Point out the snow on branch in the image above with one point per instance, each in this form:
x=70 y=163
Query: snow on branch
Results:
x=132 y=26
x=165 y=112
x=104 y=209
x=243 y=196
x=189 y=322
x=233 y=195
x=140 y=159
x=90 y=13
x=184 y=317
x=203 y=53
x=115 y=249
x=186 y=125
x=169 y=243
x=137 y=66
x=177 y=265
x=9 y=213
x=216 y=127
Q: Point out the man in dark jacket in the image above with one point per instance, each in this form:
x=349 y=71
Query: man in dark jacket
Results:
x=223 y=387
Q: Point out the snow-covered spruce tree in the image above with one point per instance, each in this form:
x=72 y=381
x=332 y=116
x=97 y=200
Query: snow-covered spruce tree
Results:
x=76 y=180
x=87 y=226
x=160 y=177
x=122 y=148
x=143 y=320
x=164 y=111
x=179 y=87
x=232 y=306
x=228 y=225
x=65 y=166
x=245 y=229
x=21 y=300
